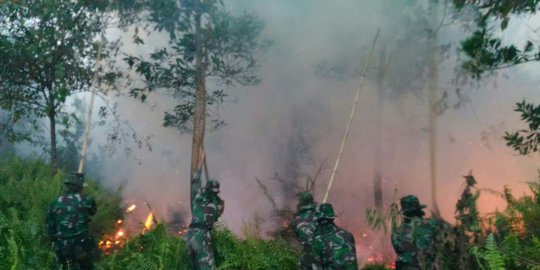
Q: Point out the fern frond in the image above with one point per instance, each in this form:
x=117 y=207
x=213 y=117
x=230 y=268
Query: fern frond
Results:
x=493 y=255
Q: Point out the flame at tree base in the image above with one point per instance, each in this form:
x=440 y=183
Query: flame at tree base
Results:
x=109 y=244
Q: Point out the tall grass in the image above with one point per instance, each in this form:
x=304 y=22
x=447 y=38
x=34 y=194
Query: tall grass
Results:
x=28 y=186
x=26 y=189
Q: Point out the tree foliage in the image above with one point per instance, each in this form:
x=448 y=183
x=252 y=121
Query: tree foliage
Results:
x=229 y=50
x=526 y=141
x=48 y=51
x=485 y=48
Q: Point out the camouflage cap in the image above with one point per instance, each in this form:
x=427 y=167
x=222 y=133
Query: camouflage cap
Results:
x=212 y=184
x=326 y=211
x=74 y=179
x=410 y=202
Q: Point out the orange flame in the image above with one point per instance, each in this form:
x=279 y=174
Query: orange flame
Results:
x=149 y=221
x=183 y=230
x=130 y=208
x=113 y=242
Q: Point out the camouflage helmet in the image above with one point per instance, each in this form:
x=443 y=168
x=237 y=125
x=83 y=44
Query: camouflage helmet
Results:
x=75 y=179
x=410 y=205
x=212 y=185
x=305 y=198
x=326 y=211
x=305 y=201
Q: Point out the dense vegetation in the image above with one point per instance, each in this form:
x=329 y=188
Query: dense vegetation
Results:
x=502 y=240
x=29 y=185
x=54 y=54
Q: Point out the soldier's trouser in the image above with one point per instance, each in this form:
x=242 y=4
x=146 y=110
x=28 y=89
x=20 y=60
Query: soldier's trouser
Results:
x=76 y=253
x=306 y=260
x=404 y=266
x=200 y=250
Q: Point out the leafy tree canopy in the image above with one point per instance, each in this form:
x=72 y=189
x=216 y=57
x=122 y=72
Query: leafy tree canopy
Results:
x=526 y=141
x=48 y=51
x=229 y=46
x=484 y=48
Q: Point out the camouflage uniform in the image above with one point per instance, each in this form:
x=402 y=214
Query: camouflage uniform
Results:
x=67 y=225
x=304 y=225
x=207 y=207
x=413 y=240
x=333 y=247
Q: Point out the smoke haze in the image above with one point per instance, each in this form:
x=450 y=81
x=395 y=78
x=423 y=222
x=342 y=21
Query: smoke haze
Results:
x=295 y=119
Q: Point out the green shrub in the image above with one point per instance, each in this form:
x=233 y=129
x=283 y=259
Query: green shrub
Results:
x=27 y=187
x=153 y=250
x=252 y=252
x=375 y=266
x=157 y=249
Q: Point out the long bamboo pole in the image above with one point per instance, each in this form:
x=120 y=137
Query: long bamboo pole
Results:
x=87 y=131
x=92 y=97
x=351 y=116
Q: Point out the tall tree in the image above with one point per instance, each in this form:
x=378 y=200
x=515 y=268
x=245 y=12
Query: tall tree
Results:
x=207 y=51
x=432 y=29
x=48 y=50
x=485 y=48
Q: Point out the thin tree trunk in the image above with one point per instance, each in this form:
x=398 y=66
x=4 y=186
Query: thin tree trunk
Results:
x=433 y=79
x=52 y=122
x=379 y=146
x=199 y=119
x=379 y=120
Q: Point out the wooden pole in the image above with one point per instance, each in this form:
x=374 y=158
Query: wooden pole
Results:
x=92 y=97
x=336 y=164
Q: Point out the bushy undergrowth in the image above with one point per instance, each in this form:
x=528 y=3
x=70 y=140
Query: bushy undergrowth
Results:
x=27 y=187
x=251 y=252
x=515 y=242
x=507 y=240
x=157 y=249
x=503 y=240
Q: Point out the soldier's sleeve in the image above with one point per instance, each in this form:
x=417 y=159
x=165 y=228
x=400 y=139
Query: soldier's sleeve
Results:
x=317 y=254
x=196 y=183
x=91 y=206
x=395 y=241
x=50 y=223
x=352 y=243
x=350 y=239
x=221 y=207
x=292 y=224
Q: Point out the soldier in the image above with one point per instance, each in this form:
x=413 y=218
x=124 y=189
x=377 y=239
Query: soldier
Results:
x=207 y=207
x=304 y=225
x=413 y=240
x=333 y=247
x=67 y=226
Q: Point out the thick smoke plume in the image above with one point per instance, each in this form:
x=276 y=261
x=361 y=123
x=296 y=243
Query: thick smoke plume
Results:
x=294 y=121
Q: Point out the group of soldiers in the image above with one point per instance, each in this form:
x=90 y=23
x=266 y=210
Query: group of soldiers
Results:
x=324 y=245
x=329 y=247
x=69 y=215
